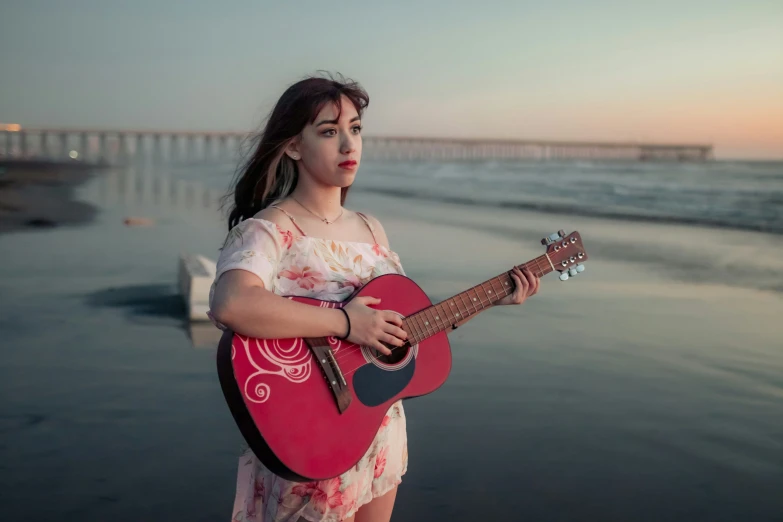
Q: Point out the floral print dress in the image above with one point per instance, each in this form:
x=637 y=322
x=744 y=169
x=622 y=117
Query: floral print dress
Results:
x=329 y=270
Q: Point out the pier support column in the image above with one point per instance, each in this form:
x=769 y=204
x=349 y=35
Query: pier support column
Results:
x=84 y=153
x=103 y=155
x=64 y=151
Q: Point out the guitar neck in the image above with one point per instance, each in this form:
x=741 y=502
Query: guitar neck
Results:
x=458 y=308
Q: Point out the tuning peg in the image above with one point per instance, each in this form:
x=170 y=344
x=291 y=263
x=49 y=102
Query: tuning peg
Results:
x=580 y=267
x=561 y=233
x=564 y=276
x=572 y=271
x=551 y=238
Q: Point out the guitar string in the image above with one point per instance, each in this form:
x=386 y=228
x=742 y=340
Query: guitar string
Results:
x=431 y=330
x=349 y=352
x=426 y=330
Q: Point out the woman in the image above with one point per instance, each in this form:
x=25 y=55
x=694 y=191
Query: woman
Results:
x=289 y=234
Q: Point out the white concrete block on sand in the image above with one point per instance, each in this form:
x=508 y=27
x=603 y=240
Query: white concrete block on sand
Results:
x=195 y=276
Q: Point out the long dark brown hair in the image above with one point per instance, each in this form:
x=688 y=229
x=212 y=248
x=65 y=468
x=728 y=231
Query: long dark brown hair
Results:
x=268 y=174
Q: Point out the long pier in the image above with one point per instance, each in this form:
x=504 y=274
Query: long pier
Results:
x=117 y=147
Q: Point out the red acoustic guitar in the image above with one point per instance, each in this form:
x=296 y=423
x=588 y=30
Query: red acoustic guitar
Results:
x=310 y=408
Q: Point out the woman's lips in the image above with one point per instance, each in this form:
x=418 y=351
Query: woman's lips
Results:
x=347 y=164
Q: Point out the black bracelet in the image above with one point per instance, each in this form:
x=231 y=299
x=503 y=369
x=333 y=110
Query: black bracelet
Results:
x=349 y=324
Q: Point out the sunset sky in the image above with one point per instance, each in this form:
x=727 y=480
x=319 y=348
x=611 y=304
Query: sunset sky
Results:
x=665 y=71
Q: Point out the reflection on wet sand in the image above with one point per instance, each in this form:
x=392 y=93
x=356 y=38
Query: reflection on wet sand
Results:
x=144 y=187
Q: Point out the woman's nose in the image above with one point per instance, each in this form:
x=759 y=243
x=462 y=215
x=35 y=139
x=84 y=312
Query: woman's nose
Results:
x=348 y=145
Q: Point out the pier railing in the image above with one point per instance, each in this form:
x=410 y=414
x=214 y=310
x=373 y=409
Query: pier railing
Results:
x=117 y=147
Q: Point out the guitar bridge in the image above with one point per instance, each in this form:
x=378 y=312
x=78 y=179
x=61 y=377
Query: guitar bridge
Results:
x=331 y=372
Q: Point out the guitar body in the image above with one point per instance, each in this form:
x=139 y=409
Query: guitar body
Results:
x=288 y=404
x=310 y=408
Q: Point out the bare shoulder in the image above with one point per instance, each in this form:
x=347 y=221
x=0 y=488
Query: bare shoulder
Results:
x=278 y=217
x=380 y=232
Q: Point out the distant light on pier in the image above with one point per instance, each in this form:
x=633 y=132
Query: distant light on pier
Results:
x=10 y=127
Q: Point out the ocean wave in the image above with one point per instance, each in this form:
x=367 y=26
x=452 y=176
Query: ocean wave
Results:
x=581 y=210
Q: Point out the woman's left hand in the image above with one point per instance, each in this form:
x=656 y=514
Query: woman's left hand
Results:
x=526 y=286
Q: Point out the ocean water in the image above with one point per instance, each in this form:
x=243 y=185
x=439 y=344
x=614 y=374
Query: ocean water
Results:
x=625 y=394
x=729 y=194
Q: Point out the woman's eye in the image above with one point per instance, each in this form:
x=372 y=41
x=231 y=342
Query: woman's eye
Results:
x=329 y=132
x=357 y=129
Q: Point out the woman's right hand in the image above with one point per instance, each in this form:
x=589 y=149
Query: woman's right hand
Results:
x=372 y=327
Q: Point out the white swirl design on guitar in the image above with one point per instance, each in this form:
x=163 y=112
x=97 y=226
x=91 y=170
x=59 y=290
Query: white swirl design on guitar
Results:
x=292 y=357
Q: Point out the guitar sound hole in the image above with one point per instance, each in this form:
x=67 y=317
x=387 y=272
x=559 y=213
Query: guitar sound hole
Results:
x=398 y=353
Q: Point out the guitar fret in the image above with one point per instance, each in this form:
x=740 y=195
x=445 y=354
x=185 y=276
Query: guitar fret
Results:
x=413 y=330
x=506 y=281
x=407 y=328
x=477 y=298
x=428 y=319
x=538 y=271
x=436 y=315
x=417 y=321
x=487 y=295
x=481 y=299
x=422 y=316
x=431 y=320
x=465 y=313
x=495 y=293
x=454 y=314
x=509 y=283
x=439 y=317
x=470 y=302
x=503 y=293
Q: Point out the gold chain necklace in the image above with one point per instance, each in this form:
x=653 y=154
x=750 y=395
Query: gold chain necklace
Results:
x=316 y=215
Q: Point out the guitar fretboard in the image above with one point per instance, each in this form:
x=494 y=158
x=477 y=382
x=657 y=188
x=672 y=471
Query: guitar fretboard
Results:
x=441 y=316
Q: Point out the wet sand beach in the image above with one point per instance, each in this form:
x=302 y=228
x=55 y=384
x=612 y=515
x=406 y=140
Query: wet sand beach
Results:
x=39 y=194
x=648 y=388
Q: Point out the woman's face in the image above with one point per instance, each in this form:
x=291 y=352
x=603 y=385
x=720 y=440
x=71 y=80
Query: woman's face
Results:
x=330 y=148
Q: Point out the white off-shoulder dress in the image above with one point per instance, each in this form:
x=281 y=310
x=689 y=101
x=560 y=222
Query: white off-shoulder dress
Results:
x=300 y=265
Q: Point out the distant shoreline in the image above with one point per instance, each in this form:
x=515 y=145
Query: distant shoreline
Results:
x=38 y=194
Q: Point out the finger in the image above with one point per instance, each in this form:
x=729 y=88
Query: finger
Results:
x=520 y=280
x=531 y=280
x=538 y=284
x=517 y=285
x=381 y=348
x=397 y=332
x=392 y=340
x=368 y=300
x=391 y=317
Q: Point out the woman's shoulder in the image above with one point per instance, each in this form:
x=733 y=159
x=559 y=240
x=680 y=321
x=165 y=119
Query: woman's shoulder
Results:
x=260 y=228
x=377 y=227
x=273 y=217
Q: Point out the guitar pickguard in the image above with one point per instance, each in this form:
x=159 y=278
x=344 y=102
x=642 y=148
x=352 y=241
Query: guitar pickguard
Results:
x=373 y=385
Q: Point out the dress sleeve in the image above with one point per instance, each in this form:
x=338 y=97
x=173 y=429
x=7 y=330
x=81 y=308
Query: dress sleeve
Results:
x=253 y=245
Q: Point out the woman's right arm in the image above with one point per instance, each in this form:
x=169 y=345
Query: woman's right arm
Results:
x=242 y=304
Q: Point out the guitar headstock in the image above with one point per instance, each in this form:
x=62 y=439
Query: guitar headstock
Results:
x=567 y=253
